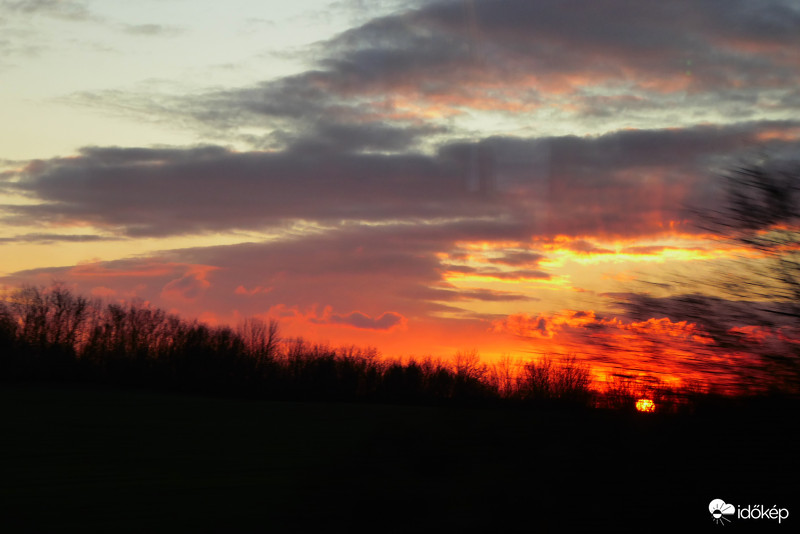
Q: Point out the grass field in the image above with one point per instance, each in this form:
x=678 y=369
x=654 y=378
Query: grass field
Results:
x=83 y=459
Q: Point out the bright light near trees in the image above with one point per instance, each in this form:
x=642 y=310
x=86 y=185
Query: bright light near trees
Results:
x=645 y=405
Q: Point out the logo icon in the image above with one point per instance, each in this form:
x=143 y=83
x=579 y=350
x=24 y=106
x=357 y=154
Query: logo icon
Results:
x=719 y=510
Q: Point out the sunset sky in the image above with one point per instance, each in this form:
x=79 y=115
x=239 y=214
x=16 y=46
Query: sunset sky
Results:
x=423 y=177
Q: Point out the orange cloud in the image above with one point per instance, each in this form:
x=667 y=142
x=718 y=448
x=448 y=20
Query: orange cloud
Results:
x=548 y=326
x=589 y=250
x=543 y=325
x=673 y=350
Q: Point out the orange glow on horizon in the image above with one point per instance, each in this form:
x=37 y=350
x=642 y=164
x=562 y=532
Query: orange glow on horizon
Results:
x=673 y=351
x=588 y=250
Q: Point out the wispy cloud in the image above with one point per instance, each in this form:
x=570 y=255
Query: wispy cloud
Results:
x=63 y=9
x=151 y=30
x=54 y=238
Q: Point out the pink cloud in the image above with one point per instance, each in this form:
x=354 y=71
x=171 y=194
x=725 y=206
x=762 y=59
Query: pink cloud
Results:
x=190 y=286
x=103 y=292
x=256 y=290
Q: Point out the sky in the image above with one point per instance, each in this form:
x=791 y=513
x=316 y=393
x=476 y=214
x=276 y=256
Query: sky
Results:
x=423 y=177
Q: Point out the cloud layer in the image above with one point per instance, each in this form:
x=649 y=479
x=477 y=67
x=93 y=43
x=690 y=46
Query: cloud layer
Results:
x=627 y=183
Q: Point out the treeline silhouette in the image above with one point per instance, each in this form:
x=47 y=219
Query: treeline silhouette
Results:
x=52 y=334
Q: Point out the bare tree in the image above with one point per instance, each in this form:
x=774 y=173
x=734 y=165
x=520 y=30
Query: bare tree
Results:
x=567 y=379
x=504 y=376
x=261 y=337
x=48 y=317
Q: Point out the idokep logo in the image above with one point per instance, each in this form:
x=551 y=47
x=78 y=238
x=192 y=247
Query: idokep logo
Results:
x=720 y=509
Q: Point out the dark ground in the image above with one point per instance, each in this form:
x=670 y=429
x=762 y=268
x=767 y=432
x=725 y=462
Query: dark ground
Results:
x=86 y=459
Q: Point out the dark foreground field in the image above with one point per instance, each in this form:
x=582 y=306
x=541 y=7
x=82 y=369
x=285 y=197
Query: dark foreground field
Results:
x=80 y=459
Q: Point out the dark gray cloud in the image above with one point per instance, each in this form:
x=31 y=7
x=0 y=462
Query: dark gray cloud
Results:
x=620 y=38
x=453 y=54
x=624 y=183
x=327 y=136
x=164 y=192
x=390 y=84
x=392 y=81
x=627 y=183
x=384 y=321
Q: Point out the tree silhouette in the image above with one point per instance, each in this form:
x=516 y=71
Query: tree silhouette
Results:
x=763 y=215
x=751 y=305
